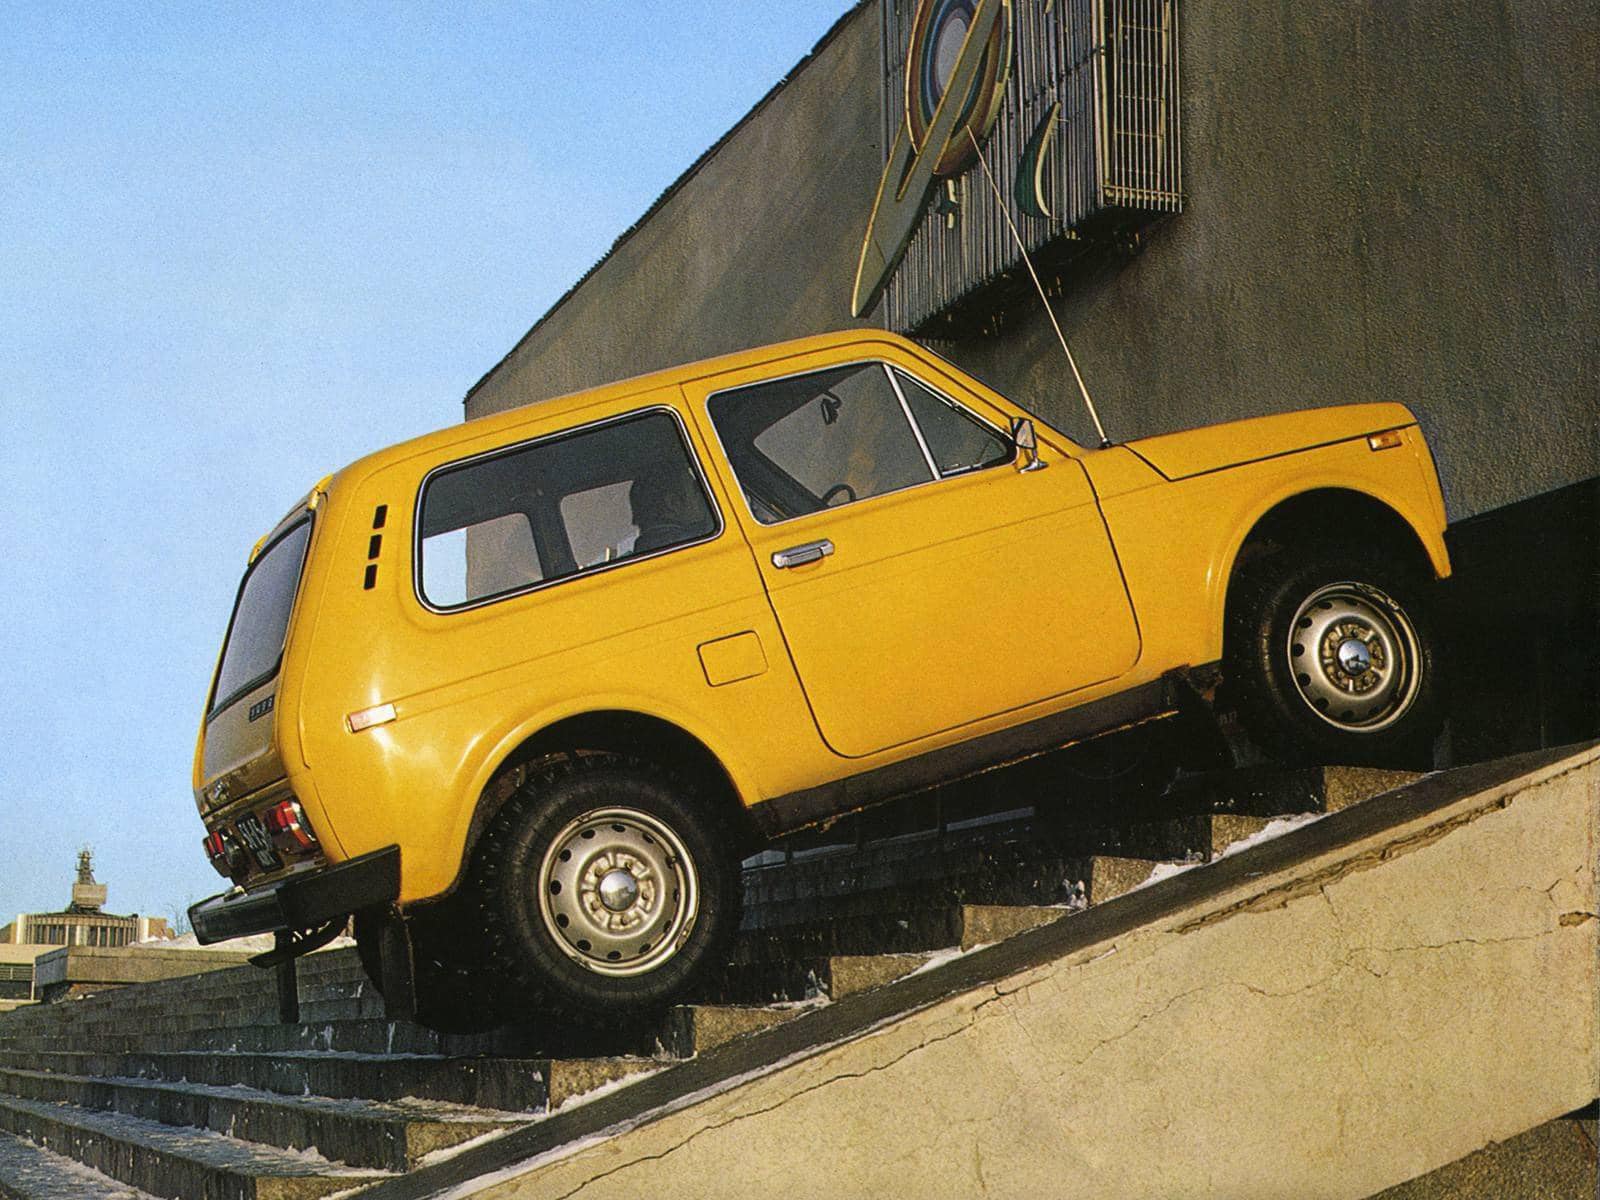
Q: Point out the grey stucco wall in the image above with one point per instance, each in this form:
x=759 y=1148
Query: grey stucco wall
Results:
x=1390 y=201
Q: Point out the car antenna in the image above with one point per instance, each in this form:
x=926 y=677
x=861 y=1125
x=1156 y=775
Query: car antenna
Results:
x=1027 y=260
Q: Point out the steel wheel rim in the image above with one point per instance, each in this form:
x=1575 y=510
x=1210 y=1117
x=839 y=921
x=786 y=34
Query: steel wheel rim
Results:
x=1354 y=657
x=618 y=891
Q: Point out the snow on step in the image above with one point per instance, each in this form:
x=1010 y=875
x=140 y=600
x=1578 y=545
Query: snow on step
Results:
x=389 y=1135
x=178 y=1161
x=28 y=1172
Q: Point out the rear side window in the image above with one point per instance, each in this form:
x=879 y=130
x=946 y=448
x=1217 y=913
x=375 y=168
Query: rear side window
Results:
x=544 y=511
x=260 y=622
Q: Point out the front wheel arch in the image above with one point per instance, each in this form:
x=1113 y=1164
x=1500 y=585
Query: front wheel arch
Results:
x=1331 y=655
x=1323 y=519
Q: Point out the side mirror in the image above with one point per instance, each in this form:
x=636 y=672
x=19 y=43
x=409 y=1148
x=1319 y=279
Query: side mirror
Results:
x=1027 y=444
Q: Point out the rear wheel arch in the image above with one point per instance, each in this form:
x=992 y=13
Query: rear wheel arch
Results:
x=616 y=733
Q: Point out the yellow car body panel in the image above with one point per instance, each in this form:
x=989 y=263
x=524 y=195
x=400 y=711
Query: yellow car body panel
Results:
x=895 y=604
x=1236 y=443
x=947 y=613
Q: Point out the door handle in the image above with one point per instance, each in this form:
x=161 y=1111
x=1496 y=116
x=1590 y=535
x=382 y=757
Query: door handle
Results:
x=798 y=556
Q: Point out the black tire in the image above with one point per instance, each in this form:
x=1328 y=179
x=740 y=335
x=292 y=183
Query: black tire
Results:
x=455 y=992
x=1332 y=658
x=606 y=887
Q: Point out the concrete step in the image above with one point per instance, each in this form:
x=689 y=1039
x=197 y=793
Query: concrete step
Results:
x=233 y=985
x=1035 y=857
x=766 y=982
x=388 y=1136
x=1020 y=863
x=222 y=1007
x=1279 y=791
x=865 y=929
x=514 y=1085
x=501 y=1084
x=1040 y=861
x=28 y=1172
x=372 y=1036
x=570 y=1078
x=325 y=966
x=849 y=974
x=366 y=1036
x=986 y=924
x=1110 y=876
x=179 y=1163
x=789 y=981
x=192 y=1017
x=1192 y=837
x=689 y=1029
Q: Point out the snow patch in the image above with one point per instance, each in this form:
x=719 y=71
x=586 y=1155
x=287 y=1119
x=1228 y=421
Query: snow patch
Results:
x=255 y=944
x=1273 y=828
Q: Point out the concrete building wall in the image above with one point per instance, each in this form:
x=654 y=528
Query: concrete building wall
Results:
x=1383 y=202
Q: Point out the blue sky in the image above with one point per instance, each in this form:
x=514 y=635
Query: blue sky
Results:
x=241 y=245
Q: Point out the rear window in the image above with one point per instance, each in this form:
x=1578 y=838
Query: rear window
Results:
x=254 y=647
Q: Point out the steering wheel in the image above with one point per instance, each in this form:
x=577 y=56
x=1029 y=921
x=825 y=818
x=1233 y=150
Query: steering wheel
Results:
x=837 y=489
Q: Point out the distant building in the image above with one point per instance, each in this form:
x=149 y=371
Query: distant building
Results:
x=81 y=923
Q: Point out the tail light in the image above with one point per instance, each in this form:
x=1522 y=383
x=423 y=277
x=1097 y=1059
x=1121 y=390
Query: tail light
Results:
x=224 y=852
x=286 y=823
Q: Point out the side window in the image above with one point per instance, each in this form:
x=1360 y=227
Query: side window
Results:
x=554 y=508
x=809 y=442
x=497 y=555
x=958 y=441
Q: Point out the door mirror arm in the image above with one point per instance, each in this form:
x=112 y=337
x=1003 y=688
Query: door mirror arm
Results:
x=1027 y=444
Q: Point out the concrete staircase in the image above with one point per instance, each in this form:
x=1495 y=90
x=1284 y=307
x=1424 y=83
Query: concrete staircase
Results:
x=191 y=1088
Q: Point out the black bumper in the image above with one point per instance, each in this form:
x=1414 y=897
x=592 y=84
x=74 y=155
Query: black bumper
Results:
x=301 y=901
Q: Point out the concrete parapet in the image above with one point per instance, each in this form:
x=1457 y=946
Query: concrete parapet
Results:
x=82 y=970
x=1355 y=1004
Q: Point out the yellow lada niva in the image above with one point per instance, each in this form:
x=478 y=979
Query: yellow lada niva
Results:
x=521 y=694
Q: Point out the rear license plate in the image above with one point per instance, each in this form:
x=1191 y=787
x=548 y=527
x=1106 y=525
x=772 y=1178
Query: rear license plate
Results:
x=254 y=835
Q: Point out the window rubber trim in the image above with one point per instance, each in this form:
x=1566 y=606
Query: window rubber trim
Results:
x=216 y=708
x=587 y=572
x=916 y=429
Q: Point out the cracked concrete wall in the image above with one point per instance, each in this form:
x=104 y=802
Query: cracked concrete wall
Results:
x=1327 y=1031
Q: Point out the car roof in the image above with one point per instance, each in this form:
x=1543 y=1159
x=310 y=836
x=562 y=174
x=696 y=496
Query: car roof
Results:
x=553 y=408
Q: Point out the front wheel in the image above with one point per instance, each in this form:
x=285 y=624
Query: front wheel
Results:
x=607 y=886
x=1333 y=658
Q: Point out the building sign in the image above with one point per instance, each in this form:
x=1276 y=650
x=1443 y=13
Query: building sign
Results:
x=1052 y=122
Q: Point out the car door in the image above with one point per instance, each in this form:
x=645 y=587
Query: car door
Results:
x=921 y=581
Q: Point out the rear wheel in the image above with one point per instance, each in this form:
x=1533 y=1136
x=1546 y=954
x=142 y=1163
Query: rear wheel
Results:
x=1332 y=658
x=606 y=886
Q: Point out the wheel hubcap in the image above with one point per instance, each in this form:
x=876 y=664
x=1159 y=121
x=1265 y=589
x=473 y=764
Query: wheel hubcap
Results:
x=1355 y=657
x=618 y=891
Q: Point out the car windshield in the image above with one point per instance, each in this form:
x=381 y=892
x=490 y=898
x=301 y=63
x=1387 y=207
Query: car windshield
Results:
x=261 y=617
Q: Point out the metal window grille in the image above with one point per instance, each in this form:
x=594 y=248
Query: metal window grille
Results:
x=1106 y=73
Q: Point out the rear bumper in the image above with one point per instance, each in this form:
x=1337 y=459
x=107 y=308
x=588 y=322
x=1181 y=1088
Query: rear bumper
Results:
x=301 y=901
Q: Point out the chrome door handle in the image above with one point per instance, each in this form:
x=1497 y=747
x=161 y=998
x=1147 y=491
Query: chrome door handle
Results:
x=798 y=556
